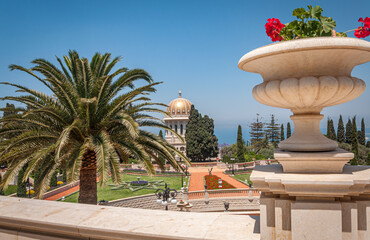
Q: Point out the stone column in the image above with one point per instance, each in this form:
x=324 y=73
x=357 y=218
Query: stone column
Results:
x=267 y=217
x=349 y=220
x=283 y=219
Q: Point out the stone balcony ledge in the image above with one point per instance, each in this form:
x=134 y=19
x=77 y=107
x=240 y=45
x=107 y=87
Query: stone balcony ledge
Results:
x=38 y=219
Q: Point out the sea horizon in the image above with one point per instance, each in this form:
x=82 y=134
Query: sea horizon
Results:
x=228 y=135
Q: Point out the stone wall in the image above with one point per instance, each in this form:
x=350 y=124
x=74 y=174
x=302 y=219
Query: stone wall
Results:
x=217 y=204
x=148 y=201
x=199 y=205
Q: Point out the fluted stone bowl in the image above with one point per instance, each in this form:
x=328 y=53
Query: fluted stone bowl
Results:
x=308 y=94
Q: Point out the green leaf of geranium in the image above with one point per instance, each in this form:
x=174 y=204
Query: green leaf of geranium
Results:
x=315 y=12
x=328 y=24
x=299 y=12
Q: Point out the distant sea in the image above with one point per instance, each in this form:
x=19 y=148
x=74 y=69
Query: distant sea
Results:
x=228 y=135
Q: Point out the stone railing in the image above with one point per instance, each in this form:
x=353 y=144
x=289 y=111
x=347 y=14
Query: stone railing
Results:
x=147 y=201
x=37 y=219
x=204 y=164
x=240 y=204
x=224 y=193
x=239 y=200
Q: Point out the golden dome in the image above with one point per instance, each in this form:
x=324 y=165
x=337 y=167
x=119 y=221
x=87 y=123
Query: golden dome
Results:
x=179 y=106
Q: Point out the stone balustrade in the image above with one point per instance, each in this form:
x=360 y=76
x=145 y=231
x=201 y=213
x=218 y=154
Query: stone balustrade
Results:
x=37 y=219
x=239 y=200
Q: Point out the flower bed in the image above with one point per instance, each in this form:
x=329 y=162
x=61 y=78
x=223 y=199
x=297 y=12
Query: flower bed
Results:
x=158 y=173
x=212 y=183
x=139 y=183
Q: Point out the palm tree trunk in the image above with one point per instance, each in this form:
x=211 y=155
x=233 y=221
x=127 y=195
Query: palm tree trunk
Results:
x=88 y=187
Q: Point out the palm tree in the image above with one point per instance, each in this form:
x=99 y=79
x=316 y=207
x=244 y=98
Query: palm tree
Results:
x=91 y=121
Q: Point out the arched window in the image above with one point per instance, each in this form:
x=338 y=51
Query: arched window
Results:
x=176 y=128
x=181 y=129
x=171 y=128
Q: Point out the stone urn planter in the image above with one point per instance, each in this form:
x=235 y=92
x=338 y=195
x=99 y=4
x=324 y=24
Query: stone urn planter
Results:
x=305 y=76
x=311 y=194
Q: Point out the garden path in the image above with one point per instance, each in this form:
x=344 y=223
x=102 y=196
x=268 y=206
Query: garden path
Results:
x=63 y=194
x=197 y=176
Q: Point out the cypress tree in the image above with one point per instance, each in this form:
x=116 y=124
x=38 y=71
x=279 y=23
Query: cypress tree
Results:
x=332 y=130
x=368 y=159
x=1 y=190
x=288 y=131
x=282 y=135
x=21 y=186
x=328 y=129
x=340 y=130
x=361 y=137
x=354 y=142
x=240 y=146
x=54 y=179
x=354 y=133
x=160 y=157
x=368 y=144
x=209 y=141
x=192 y=135
x=348 y=131
x=65 y=175
x=36 y=177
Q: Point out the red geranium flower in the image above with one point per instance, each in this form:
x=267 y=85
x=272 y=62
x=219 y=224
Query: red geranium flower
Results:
x=364 y=30
x=273 y=28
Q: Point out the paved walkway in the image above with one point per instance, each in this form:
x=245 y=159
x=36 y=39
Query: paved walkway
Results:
x=197 y=178
x=63 y=194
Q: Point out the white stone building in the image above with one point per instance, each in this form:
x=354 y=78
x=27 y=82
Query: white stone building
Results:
x=179 y=109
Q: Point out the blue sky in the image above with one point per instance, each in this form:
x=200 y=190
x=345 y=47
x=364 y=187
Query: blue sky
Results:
x=189 y=45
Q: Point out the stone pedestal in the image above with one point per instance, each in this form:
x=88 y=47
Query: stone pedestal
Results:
x=313 y=162
x=314 y=206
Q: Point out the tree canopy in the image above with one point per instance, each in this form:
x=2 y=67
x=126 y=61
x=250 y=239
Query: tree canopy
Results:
x=201 y=143
x=272 y=131
x=257 y=133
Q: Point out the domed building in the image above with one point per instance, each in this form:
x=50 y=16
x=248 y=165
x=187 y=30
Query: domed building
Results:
x=179 y=109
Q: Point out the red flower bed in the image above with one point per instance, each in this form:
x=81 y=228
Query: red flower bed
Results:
x=212 y=183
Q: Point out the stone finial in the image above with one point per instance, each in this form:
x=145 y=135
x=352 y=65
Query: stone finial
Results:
x=179 y=93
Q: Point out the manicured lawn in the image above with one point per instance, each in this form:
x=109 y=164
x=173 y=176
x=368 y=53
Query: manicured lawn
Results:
x=242 y=177
x=10 y=190
x=105 y=192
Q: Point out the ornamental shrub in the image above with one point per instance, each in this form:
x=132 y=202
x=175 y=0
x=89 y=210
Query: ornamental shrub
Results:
x=54 y=180
x=31 y=192
x=21 y=186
